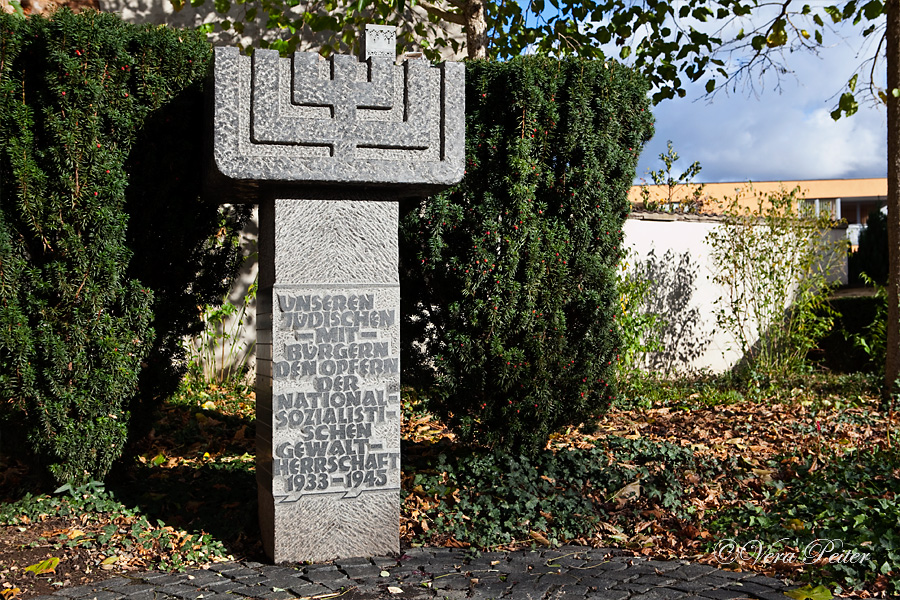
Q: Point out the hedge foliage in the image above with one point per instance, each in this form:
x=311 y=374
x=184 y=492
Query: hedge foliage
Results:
x=105 y=248
x=509 y=298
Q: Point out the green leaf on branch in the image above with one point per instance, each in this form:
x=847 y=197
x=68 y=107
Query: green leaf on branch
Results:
x=872 y=10
x=777 y=35
x=847 y=106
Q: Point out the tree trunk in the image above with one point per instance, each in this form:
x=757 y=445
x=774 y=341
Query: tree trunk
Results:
x=476 y=29
x=892 y=359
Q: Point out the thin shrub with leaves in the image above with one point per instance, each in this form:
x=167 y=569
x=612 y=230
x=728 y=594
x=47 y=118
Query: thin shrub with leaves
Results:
x=638 y=328
x=220 y=354
x=774 y=264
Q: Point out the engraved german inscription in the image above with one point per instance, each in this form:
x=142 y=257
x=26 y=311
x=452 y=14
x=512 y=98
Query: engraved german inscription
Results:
x=335 y=369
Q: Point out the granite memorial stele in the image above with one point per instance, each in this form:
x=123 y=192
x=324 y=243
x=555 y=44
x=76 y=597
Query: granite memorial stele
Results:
x=328 y=148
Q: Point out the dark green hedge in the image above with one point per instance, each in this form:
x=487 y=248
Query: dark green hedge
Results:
x=105 y=249
x=508 y=279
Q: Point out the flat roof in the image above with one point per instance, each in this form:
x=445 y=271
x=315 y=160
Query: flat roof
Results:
x=846 y=189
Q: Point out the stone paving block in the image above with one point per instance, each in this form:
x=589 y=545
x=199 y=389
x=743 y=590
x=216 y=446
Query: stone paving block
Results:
x=723 y=594
x=634 y=588
x=203 y=579
x=310 y=589
x=278 y=571
x=180 y=590
x=735 y=575
x=566 y=592
x=384 y=562
x=770 y=595
x=530 y=558
x=161 y=578
x=452 y=594
x=663 y=594
x=664 y=565
x=543 y=569
x=75 y=592
x=243 y=573
x=358 y=561
x=654 y=580
x=219 y=597
x=414 y=575
x=595 y=584
x=361 y=571
x=749 y=588
x=102 y=595
x=453 y=553
x=530 y=589
x=612 y=565
x=715 y=580
x=763 y=580
x=44 y=598
x=323 y=577
x=252 y=564
x=115 y=582
x=248 y=591
x=282 y=582
x=487 y=595
x=488 y=556
x=135 y=588
x=223 y=586
x=609 y=595
x=148 y=594
x=275 y=595
x=698 y=585
x=691 y=571
x=559 y=579
x=225 y=567
x=491 y=587
x=568 y=562
x=451 y=581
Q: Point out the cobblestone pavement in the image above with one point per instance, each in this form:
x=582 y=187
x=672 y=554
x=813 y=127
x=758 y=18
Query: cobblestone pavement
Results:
x=425 y=573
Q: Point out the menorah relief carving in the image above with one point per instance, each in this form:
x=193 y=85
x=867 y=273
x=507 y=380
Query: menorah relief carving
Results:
x=308 y=119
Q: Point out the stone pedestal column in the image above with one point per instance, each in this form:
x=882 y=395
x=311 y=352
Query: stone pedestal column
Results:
x=328 y=148
x=328 y=387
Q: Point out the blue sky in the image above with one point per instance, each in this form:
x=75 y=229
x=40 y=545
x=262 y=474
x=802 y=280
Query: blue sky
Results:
x=776 y=135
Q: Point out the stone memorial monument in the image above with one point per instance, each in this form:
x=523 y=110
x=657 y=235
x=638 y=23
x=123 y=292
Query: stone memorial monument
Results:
x=328 y=148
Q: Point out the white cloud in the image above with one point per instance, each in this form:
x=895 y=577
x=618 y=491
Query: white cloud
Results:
x=773 y=136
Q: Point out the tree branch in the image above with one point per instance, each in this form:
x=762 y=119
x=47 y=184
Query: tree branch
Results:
x=443 y=14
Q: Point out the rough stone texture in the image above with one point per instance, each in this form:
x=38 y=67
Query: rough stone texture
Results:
x=328 y=404
x=306 y=120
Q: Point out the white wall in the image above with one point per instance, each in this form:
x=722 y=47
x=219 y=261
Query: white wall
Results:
x=674 y=248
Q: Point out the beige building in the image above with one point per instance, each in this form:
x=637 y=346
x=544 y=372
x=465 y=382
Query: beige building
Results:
x=849 y=199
